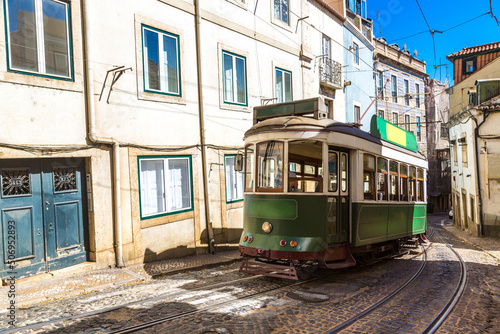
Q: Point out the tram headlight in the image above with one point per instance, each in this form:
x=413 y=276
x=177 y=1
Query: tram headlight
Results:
x=267 y=227
x=293 y=243
x=250 y=239
x=245 y=238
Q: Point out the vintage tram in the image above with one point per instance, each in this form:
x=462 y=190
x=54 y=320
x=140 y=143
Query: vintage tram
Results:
x=324 y=193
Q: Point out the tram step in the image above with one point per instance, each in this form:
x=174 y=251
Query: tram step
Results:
x=269 y=269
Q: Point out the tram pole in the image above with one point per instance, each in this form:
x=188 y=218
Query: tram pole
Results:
x=375 y=99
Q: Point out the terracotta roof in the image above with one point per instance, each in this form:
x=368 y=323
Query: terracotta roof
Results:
x=490 y=105
x=474 y=49
x=331 y=9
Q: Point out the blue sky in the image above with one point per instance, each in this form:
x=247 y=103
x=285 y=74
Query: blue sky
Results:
x=398 y=20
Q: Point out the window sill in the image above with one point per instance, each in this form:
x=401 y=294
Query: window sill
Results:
x=158 y=97
x=166 y=219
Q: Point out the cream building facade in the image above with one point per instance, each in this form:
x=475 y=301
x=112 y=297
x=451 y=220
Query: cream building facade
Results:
x=122 y=119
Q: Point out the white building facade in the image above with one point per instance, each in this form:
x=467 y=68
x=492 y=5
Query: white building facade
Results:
x=122 y=119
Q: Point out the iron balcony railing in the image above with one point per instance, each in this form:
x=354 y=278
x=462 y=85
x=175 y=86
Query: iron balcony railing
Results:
x=330 y=72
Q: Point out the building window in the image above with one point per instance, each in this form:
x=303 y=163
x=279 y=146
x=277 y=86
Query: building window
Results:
x=283 y=85
x=281 y=10
x=165 y=185
x=407 y=122
x=455 y=153
x=417 y=95
x=161 y=62
x=38 y=37
x=395 y=118
x=355 y=53
x=469 y=65
x=234 y=78
x=463 y=144
x=380 y=85
x=419 y=129
x=234 y=181
x=357 y=7
x=407 y=92
x=381 y=113
x=357 y=113
x=394 y=88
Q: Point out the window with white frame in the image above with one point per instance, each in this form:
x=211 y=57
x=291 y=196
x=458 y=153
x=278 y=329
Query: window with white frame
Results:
x=380 y=84
x=38 y=37
x=355 y=53
x=407 y=92
x=357 y=113
x=394 y=88
x=234 y=78
x=281 y=10
x=417 y=95
x=164 y=185
x=234 y=181
x=161 y=61
x=283 y=85
x=419 y=129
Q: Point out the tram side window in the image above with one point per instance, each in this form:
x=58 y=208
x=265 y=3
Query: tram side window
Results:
x=332 y=171
x=305 y=172
x=249 y=168
x=394 y=182
x=343 y=172
x=403 y=173
x=382 y=179
x=412 y=179
x=369 y=176
x=420 y=185
x=270 y=166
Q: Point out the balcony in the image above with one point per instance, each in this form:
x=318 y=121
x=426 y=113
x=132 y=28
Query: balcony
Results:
x=330 y=73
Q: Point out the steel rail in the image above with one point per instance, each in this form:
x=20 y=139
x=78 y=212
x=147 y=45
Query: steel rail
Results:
x=152 y=323
x=381 y=302
x=118 y=307
x=459 y=289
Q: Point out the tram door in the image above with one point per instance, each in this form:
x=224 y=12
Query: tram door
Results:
x=338 y=195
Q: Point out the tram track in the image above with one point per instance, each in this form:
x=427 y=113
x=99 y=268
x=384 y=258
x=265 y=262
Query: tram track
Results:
x=459 y=289
x=442 y=314
x=381 y=302
x=152 y=323
x=123 y=306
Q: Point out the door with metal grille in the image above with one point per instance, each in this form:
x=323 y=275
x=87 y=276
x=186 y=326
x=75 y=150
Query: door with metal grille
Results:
x=41 y=213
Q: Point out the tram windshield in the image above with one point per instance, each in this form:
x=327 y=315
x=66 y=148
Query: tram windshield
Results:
x=270 y=166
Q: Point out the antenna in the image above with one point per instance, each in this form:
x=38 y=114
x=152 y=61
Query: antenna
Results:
x=379 y=26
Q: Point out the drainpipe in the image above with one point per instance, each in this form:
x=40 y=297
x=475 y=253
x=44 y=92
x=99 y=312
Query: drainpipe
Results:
x=479 y=196
x=100 y=140
x=208 y=219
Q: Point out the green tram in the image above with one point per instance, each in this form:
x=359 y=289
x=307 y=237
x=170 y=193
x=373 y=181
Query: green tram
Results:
x=321 y=192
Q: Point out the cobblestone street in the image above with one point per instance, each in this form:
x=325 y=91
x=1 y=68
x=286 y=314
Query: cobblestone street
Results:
x=195 y=301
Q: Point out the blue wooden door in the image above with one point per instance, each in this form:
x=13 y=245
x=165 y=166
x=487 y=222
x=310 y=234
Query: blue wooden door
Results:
x=41 y=215
x=22 y=230
x=63 y=212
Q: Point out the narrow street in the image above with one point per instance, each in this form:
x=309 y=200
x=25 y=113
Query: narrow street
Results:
x=222 y=300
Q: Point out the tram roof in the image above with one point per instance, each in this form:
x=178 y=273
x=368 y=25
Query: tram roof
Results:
x=378 y=135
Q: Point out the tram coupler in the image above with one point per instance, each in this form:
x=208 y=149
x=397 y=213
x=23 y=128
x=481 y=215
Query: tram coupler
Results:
x=269 y=269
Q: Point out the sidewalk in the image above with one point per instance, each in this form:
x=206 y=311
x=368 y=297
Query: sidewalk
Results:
x=489 y=245
x=82 y=279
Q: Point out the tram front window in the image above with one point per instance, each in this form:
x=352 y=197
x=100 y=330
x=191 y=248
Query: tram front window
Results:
x=270 y=166
x=305 y=173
